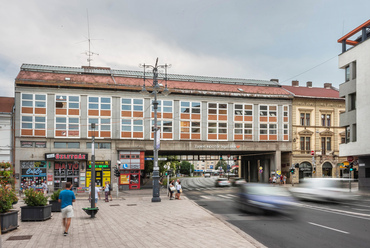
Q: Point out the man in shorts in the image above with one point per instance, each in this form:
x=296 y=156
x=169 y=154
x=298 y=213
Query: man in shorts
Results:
x=66 y=197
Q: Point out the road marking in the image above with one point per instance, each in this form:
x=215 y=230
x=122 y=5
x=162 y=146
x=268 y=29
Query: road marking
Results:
x=205 y=197
x=328 y=228
x=337 y=211
x=224 y=196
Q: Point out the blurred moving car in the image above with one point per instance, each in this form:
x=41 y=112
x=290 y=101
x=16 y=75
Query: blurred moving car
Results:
x=222 y=182
x=265 y=198
x=207 y=175
x=323 y=190
x=237 y=181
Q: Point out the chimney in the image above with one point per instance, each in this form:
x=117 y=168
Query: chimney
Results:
x=309 y=84
x=295 y=83
x=274 y=80
x=327 y=85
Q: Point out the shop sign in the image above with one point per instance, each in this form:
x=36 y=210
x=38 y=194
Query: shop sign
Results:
x=30 y=172
x=32 y=164
x=100 y=164
x=69 y=166
x=80 y=156
x=50 y=177
x=125 y=179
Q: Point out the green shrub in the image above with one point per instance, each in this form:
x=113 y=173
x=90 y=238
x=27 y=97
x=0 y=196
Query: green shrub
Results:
x=7 y=197
x=35 y=198
x=55 y=195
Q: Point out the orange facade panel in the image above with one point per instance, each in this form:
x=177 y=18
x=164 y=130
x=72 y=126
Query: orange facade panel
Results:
x=222 y=117
x=159 y=115
x=105 y=113
x=263 y=118
x=248 y=137
x=285 y=119
x=222 y=136
x=167 y=115
x=167 y=135
x=40 y=111
x=105 y=134
x=263 y=137
x=185 y=116
x=74 y=112
x=126 y=113
x=212 y=117
x=195 y=116
x=26 y=110
x=273 y=137
x=26 y=132
x=238 y=118
x=248 y=118
x=138 y=114
x=273 y=119
x=195 y=136
x=95 y=133
x=73 y=133
x=40 y=132
x=93 y=112
x=238 y=137
x=212 y=136
x=126 y=134
x=185 y=136
x=60 y=133
x=286 y=137
x=61 y=111
x=138 y=135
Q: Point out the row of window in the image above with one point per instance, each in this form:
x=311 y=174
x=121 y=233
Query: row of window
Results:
x=306 y=120
x=305 y=144
x=69 y=145
x=67 y=123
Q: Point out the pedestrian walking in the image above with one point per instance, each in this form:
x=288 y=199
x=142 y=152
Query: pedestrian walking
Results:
x=97 y=194
x=66 y=197
x=110 y=191
x=284 y=179
x=179 y=190
x=171 y=189
x=44 y=188
x=106 y=191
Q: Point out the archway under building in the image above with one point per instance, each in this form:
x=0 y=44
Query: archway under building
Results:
x=327 y=169
x=305 y=170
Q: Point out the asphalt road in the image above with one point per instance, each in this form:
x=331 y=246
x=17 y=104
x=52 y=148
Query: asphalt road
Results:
x=315 y=225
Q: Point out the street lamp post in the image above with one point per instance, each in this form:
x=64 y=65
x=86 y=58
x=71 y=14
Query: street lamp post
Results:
x=92 y=181
x=156 y=130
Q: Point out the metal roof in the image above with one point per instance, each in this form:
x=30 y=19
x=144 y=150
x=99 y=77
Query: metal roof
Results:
x=148 y=74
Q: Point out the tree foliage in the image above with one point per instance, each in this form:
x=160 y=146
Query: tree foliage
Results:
x=185 y=166
x=221 y=163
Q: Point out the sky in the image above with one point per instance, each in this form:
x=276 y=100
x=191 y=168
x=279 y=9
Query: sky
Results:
x=251 y=39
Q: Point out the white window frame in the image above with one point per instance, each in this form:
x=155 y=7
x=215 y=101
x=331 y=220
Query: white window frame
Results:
x=243 y=122
x=217 y=121
x=268 y=123
x=33 y=115
x=160 y=121
x=191 y=121
x=286 y=123
x=98 y=125
x=132 y=126
x=67 y=101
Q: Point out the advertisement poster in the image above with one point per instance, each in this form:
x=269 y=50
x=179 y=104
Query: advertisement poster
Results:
x=124 y=179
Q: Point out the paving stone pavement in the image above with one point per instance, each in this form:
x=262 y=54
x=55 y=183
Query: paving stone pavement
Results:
x=132 y=221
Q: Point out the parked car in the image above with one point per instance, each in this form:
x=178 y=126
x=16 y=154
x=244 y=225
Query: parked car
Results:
x=323 y=190
x=207 y=175
x=264 y=198
x=237 y=181
x=222 y=182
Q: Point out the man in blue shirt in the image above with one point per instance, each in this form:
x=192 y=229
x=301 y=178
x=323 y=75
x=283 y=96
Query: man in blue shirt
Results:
x=66 y=197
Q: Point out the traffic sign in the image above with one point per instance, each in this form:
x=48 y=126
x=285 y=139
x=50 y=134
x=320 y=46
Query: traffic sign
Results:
x=261 y=171
x=350 y=158
x=124 y=166
x=312 y=152
x=149 y=158
x=162 y=158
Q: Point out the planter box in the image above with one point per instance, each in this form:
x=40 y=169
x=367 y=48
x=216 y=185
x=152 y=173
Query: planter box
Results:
x=55 y=206
x=9 y=221
x=35 y=213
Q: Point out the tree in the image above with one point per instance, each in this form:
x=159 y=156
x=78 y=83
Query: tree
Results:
x=221 y=163
x=185 y=166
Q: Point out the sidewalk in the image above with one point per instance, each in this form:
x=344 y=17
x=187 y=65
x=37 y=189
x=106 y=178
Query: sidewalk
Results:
x=132 y=221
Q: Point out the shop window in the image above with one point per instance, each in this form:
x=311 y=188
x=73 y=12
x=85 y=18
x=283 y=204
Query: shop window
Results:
x=99 y=145
x=69 y=145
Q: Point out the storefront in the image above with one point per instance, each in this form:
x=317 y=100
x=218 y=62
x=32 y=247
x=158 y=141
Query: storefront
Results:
x=67 y=168
x=33 y=172
x=102 y=173
x=132 y=162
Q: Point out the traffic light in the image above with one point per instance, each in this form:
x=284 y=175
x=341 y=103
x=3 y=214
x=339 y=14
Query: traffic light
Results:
x=292 y=170
x=314 y=169
x=117 y=173
x=351 y=167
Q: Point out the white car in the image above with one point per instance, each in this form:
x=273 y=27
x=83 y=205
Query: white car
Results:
x=207 y=175
x=323 y=189
x=222 y=182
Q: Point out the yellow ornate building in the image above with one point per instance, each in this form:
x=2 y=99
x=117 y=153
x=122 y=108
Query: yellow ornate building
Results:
x=316 y=130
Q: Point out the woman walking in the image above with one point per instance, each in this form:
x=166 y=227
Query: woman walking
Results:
x=179 y=190
x=170 y=187
x=106 y=191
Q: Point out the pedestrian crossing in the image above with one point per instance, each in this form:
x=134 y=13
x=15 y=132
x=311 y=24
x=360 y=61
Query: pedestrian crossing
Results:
x=220 y=197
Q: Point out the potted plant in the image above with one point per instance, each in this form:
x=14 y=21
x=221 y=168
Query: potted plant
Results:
x=55 y=205
x=8 y=217
x=37 y=208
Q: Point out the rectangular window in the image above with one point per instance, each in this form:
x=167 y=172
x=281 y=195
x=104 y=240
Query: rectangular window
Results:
x=305 y=144
x=99 y=145
x=190 y=107
x=325 y=145
x=347 y=73
x=348 y=134
x=67 y=102
x=33 y=115
x=69 y=145
x=354 y=132
x=352 y=102
x=26 y=144
x=243 y=117
x=328 y=120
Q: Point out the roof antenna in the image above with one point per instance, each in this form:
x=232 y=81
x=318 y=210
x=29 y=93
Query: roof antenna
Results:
x=89 y=53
